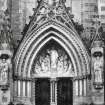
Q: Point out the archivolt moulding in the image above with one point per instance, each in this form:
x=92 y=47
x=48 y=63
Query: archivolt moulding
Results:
x=36 y=39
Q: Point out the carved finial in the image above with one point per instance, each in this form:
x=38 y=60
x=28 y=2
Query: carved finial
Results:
x=51 y=10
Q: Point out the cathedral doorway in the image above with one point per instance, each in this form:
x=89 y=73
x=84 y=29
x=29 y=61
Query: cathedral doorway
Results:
x=51 y=63
x=57 y=91
x=53 y=73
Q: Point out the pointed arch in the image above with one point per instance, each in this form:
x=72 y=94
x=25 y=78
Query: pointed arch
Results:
x=36 y=39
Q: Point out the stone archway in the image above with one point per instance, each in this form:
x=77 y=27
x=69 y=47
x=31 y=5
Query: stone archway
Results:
x=32 y=43
x=54 y=91
x=31 y=46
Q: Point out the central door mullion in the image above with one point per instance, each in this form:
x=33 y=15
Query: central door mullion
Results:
x=53 y=91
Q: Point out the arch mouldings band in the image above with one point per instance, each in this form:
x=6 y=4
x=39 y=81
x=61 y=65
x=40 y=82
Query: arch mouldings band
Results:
x=33 y=42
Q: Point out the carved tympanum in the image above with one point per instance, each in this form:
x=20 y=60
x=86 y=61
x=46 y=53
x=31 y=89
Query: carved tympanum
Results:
x=53 y=59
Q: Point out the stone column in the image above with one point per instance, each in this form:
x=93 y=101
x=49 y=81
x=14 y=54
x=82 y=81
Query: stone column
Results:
x=53 y=85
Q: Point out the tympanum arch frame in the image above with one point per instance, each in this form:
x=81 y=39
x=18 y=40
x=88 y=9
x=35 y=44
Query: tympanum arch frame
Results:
x=36 y=39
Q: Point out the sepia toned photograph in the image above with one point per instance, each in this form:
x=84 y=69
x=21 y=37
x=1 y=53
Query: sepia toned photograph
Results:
x=52 y=52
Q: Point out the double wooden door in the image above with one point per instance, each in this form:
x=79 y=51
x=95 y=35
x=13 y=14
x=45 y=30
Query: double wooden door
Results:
x=43 y=92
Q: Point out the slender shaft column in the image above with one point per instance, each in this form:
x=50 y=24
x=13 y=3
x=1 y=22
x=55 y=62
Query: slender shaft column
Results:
x=53 y=91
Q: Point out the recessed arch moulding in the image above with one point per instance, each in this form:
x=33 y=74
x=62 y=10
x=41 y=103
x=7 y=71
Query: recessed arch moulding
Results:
x=38 y=38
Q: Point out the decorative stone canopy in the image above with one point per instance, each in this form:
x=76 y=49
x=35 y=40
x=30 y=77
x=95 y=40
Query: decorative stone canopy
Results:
x=54 y=10
x=5 y=35
x=98 y=40
x=6 y=40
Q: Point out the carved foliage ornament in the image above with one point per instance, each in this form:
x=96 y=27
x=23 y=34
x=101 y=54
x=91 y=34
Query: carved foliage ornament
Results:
x=51 y=10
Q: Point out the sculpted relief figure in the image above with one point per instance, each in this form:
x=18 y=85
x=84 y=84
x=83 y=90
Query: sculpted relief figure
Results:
x=3 y=71
x=54 y=61
x=46 y=64
x=60 y=65
x=54 y=58
x=43 y=65
x=98 y=68
x=37 y=67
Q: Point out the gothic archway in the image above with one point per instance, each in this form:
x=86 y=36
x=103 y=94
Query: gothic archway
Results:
x=57 y=38
x=68 y=39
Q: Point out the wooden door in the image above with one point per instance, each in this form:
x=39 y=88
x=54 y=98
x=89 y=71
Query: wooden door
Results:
x=42 y=91
x=64 y=91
